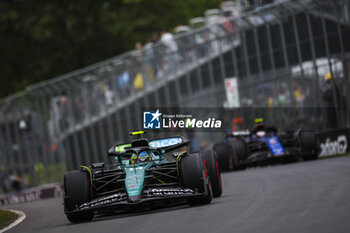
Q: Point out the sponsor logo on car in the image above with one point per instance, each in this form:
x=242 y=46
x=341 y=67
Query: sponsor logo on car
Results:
x=102 y=201
x=169 y=192
x=98 y=165
x=165 y=142
x=238 y=133
x=272 y=141
x=275 y=146
x=121 y=148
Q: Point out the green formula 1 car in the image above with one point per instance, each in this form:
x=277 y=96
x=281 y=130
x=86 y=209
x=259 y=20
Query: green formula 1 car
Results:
x=142 y=173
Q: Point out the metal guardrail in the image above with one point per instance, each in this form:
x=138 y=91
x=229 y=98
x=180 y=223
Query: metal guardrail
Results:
x=279 y=52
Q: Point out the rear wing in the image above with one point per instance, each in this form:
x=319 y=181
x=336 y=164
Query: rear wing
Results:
x=246 y=132
x=239 y=133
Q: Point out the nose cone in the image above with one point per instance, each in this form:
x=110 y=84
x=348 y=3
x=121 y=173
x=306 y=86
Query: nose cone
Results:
x=133 y=199
x=134 y=181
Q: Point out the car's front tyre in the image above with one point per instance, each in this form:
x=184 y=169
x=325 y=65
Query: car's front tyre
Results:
x=76 y=192
x=195 y=177
x=239 y=153
x=308 y=144
x=213 y=172
x=223 y=156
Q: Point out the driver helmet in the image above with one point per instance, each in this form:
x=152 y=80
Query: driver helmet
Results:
x=133 y=158
x=259 y=124
x=143 y=156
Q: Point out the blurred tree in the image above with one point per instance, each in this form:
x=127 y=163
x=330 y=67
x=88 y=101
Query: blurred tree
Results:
x=40 y=39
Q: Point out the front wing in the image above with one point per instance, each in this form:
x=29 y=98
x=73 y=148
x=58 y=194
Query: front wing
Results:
x=119 y=200
x=268 y=156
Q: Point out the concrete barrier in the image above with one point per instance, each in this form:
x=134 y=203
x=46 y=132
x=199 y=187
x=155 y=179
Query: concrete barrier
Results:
x=334 y=142
x=32 y=194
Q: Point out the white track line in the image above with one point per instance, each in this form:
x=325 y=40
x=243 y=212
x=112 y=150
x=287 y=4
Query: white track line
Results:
x=22 y=216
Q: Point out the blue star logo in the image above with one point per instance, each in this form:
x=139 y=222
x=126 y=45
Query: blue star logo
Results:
x=151 y=120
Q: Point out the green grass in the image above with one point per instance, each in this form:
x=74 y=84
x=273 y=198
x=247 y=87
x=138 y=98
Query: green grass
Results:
x=6 y=218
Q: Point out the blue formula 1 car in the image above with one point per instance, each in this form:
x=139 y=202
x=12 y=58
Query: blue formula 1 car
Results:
x=142 y=173
x=263 y=145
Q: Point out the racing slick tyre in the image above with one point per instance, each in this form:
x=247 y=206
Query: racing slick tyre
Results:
x=239 y=153
x=223 y=156
x=308 y=143
x=213 y=172
x=77 y=192
x=195 y=177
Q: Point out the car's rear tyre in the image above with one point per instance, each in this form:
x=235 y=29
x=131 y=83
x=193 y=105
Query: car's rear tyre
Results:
x=77 y=191
x=239 y=154
x=213 y=172
x=223 y=156
x=194 y=176
x=308 y=143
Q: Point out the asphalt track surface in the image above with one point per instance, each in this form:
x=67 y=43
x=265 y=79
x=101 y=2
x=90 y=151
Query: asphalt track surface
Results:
x=299 y=197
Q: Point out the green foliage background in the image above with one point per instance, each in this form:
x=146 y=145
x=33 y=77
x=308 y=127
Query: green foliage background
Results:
x=40 y=39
